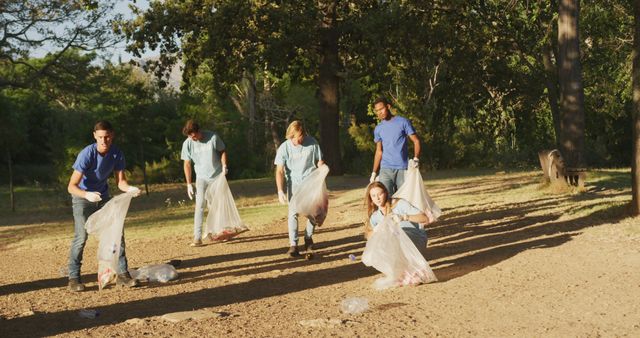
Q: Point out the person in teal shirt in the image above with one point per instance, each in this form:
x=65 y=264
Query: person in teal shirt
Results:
x=205 y=152
x=295 y=159
x=408 y=217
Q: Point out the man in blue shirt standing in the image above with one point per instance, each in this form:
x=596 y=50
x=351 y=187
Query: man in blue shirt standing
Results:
x=90 y=191
x=390 y=137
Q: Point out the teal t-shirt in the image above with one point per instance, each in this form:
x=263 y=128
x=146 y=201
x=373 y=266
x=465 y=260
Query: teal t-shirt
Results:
x=298 y=161
x=204 y=154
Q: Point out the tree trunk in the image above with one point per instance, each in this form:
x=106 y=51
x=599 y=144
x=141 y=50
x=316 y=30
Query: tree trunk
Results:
x=571 y=89
x=11 y=192
x=551 y=82
x=328 y=88
x=635 y=159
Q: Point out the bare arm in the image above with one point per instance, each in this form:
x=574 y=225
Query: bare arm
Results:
x=121 y=180
x=418 y=218
x=280 y=177
x=187 y=171
x=377 y=158
x=73 y=187
x=416 y=145
x=223 y=158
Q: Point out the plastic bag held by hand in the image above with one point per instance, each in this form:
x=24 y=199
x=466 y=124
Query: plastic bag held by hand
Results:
x=414 y=192
x=311 y=199
x=223 y=217
x=107 y=224
x=390 y=251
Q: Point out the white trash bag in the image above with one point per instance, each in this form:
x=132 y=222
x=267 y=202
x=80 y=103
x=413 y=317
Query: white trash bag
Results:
x=223 y=220
x=390 y=251
x=155 y=273
x=414 y=192
x=311 y=198
x=107 y=224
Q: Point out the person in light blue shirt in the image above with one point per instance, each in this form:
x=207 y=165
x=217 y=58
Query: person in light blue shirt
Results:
x=391 y=156
x=409 y=218
x=205 y=152
x=295 y=159
x=90 y=192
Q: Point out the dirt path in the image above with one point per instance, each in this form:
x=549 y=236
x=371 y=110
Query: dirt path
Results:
x=509 y=264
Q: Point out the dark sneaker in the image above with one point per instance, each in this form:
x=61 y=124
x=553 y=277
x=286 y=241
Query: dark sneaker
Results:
x=293 y=251
x=75 y=285
x=125 y=279
x=196 y=243
x=308 y=244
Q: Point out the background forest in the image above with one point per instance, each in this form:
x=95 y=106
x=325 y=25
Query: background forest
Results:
x=478 y=79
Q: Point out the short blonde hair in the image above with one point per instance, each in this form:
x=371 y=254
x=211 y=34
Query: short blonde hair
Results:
x=295 y=127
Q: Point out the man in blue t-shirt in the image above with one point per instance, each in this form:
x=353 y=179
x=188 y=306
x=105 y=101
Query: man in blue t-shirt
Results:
x=390 y=136
x=205 y=151
x=90 y=192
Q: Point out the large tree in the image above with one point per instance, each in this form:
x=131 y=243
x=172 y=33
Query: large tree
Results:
x=53 y=25
x=635 y=159
x=571 y=88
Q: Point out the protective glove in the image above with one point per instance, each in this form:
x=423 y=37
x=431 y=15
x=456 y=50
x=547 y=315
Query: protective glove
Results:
x=396 y=218
x=92 y=196
x=225 y=170
x=190 y=191
x=134 y=190
x=282 y=197
x=415 y=163
x=373 y=177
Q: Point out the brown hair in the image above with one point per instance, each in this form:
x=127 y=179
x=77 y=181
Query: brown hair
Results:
x=371 y=207
x=103 y=125
x=381 y=99
x=190 y=127
x=295 y=127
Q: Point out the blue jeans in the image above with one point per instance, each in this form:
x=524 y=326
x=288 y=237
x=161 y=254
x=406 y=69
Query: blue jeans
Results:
x=82 y=209
x=293 y=220
x=201 y=187
x=392 y=179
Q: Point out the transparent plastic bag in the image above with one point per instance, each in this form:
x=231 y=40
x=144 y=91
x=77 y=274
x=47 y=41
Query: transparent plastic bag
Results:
x=155 y=273
x=390 y=251
x=311 y=198
x=414 y=192
x=107 y=224
x=223 y=219
x=354 y=305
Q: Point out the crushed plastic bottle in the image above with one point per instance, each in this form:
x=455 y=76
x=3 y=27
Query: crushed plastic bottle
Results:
x=352 y=257
x=89 y=313
x=355 y=305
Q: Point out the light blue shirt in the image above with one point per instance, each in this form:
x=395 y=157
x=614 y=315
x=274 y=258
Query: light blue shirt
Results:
x=401 y=208
x=96 y=168
x=204 y=154
x=298 y=161
x=393 y=135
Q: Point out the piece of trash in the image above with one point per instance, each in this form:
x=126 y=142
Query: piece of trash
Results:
x=89 y=313
x=352 y=257
x=155 y=273
x=355 y=305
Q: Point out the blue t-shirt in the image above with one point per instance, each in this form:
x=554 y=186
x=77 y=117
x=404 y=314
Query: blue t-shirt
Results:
x=96 y=168
x=393 y=135
x=298 y=161
x=204 y=154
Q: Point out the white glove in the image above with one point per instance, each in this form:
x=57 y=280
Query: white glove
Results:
x=415 y=163
x=373 y=177
x=134 y=190
x=225 y=170
x=190 y=191
x=396 y=218
x=282 y=197
x=92 y=196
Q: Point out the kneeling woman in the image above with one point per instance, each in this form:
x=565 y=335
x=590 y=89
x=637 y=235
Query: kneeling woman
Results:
x=380 y=205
